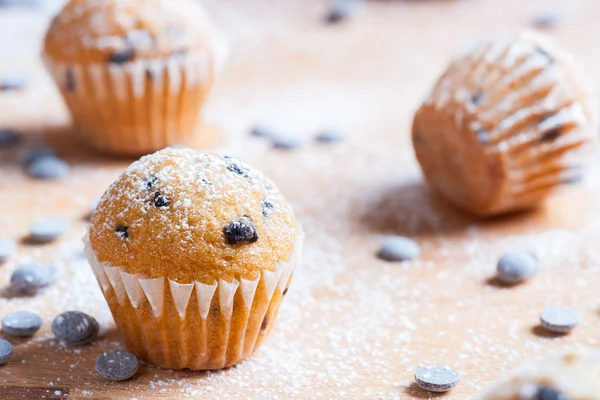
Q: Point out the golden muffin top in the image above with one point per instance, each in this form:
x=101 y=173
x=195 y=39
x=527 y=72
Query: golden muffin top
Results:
x=118 y=31
x=189 y=215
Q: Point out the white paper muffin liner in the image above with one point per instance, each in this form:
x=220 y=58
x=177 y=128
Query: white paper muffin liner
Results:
x=124 y=291
x=139 y=106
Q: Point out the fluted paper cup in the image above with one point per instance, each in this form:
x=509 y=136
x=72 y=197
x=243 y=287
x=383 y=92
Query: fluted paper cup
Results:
x=194 y=325
x=140 y=106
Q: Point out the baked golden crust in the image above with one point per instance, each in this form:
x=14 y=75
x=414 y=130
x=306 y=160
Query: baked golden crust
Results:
x=189 y=215
x=124 y=30
x=505 y=125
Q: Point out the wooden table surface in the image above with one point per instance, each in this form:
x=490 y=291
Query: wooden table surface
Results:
x=352 y=326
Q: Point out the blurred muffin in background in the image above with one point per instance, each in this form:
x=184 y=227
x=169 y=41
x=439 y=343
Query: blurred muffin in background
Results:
x=134 y=73
x=509 y=121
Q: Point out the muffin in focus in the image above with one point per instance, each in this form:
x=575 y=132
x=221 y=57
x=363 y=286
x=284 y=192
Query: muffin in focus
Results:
x=134 y=73
x=568 y=375
x=194 y=252
x=509 y=121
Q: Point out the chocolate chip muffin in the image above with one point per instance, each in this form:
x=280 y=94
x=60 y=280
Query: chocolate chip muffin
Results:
x=194 y=252
x=507 y=123
x=568 y=375
x=134 y=73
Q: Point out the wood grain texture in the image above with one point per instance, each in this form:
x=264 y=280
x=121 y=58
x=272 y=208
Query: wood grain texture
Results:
x=351 y=326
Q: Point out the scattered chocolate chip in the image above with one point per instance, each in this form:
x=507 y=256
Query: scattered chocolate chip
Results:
x=241 y=230
x=70 y=81
x=9 y=138
x=117 y=365
x=6 y=351
x=13 y=81
x=551 y=135
x=330 y=136
x=545 y=54
x=437 y=379
x=476 y=98
x=267 y=208
x=29 y=278
x=161 y=201
x=122 y=57
x=285 y=142
x=75 y=328
x=546 y=19
x=559 y=319
x=30 y=155
x=123 y=231
x=548 y=393
x=341 y=10
x=516 y=266
x=45 y=230
x=48 y=167
x=264 y=324
x=398 y=248
x=21 y=323
x=262 y=131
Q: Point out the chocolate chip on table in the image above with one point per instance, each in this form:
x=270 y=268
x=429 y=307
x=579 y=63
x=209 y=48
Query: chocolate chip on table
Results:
x=31 y=277
x=559 y=319
x=262 y=131
x=21 y=323
x=240 y=230
x=330 y=136
x=31 y=154
x=13 y=81
x=516 y=266
x=117 y=365
x=121 y=57
x=123 y=231
x=285 y=142
x=9 y=138
x=436 y=379
x=267 y=208
x=8 y=248
x=161 y=201
x=398 y=248
x=48 y=167
x=548 y=393
x=546 y=19
x=75 y=328
x=6 y=351
x=45 y=230
x=341 y=10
